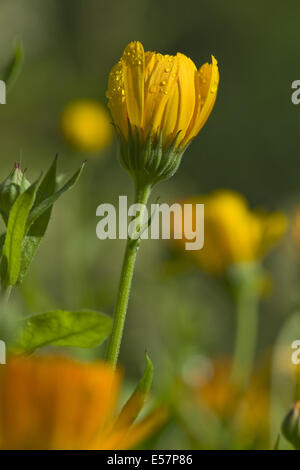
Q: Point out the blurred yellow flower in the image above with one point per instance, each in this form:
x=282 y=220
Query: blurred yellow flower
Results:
x=86 y=126
x=232 y=232
x=58 y=403
x=161 y=93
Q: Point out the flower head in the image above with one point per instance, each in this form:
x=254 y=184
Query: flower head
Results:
x=86 y=126
x=233 y=233
x=58 y=403
x=158 y=103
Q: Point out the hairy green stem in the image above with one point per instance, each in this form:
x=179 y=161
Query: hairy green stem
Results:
x=119 y=316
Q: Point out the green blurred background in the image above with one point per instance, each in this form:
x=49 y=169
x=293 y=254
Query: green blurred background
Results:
x=251 y=143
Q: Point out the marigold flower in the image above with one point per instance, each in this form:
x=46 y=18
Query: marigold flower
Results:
x=159 y=103
x=59 y=403
x=86 y=126
x=232 y=232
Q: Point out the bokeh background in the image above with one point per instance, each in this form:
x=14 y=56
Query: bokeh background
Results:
x=251 y=143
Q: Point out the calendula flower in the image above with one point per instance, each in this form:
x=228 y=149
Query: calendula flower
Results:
x=86 y=126
x=59 y=403
x=233 y=233
x=159 y=103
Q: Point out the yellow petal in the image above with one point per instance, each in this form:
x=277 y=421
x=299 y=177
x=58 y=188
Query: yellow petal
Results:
x=133 y=61
x=186 y=74
x=170 y=116
x=116 y=97
x=206 y=93
x=160 y=78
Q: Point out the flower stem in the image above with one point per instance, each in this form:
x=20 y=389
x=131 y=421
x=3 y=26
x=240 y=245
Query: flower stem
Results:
x=246 y=332
x=119 y=316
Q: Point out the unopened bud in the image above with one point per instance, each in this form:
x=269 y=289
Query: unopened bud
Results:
x=14 y=185
x=291 y=426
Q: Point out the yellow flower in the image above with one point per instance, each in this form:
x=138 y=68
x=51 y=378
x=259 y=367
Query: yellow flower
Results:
x=159 y=101
x=58 y=403
x=232 y=232
x=86 y=126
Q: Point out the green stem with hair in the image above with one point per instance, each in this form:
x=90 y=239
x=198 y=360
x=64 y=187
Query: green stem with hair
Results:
x=119 y=316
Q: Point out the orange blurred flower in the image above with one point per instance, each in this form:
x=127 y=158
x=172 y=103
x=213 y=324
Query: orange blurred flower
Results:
x=58 y=403
x=247 y=412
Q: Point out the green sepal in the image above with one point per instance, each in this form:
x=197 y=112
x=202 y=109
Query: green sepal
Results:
x=147 y=158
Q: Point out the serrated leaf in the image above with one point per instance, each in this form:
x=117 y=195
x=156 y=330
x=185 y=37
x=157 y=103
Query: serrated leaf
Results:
x=36 y=232
x=16 y=227
x=82 y=329
x=49 y=201
x=135 y=403
x=13 y=68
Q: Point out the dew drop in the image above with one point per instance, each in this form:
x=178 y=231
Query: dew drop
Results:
x=153 y=89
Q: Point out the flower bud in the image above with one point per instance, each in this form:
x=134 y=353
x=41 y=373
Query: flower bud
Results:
x=14 y=185
x=158 y=103
x=291 y=426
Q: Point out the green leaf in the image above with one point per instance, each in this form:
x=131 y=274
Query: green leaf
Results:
x=11 y=255
x=82 y=329
x=29 y=247
x=14 y=66
x=137 y=400
x=49 y=201
x=36 y=232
